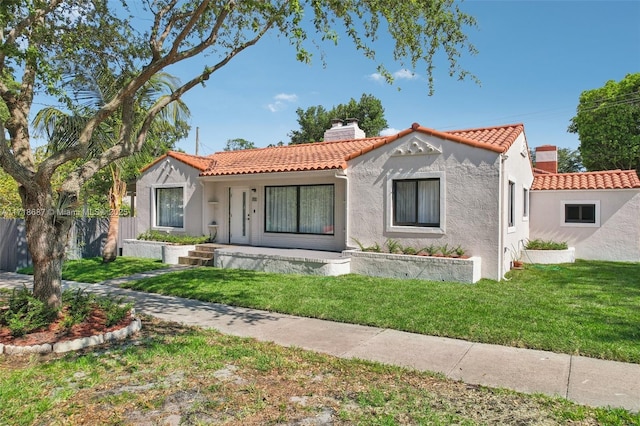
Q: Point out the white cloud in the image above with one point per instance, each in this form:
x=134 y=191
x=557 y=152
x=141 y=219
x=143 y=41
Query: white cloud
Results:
x=281 y=101
x=389 y=131
x=375 y=77
x=405 y=74
x=401 y=74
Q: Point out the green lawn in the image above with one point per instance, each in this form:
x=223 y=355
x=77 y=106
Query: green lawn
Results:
x=588 y=308
x=92 y=270
x=196 y=376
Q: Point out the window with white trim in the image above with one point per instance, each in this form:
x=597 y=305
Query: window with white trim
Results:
x=511 y=203
x=525 y=203
x=580 y=213
x=169 y=207
x=416 y=202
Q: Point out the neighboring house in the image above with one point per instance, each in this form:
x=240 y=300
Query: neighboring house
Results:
x=467 y=188
x=598 y=213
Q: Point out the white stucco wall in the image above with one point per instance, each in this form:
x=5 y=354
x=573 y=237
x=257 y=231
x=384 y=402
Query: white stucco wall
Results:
x=471 y=196
x=216 y=189
x=516 y=168
x=169 y=172
x=617 y=237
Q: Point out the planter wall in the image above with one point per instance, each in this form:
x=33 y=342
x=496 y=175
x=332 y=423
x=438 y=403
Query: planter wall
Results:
x=420 y=267
x=145 y=249
x=227 y=258
x=171 y=253
x=549 y=256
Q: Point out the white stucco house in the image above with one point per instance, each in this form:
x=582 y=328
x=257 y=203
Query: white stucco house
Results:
x=598 y=213
x=468 y=188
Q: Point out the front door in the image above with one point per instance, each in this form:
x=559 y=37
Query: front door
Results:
x=239 y=215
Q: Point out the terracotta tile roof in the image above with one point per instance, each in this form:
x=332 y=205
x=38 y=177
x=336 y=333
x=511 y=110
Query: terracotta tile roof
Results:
x=608 y=179
x=291 y=158
x=195 y=161
x=335 y=154
x=495 y=138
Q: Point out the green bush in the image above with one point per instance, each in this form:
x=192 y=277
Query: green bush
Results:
x=172 y=238
x=24 y=313
x=539 y=244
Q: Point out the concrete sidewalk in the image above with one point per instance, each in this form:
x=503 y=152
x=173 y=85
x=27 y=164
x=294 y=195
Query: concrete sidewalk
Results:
x=583 y=380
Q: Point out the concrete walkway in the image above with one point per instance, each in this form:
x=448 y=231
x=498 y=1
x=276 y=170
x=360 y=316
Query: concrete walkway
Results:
x=583 y=380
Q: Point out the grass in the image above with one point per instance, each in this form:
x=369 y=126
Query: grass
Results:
x=588 y=308
x=92 y=270
x=205 y=377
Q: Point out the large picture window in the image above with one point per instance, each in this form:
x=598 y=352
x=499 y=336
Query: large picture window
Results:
x=169 y=207
x=300 y=209
x=416 y=202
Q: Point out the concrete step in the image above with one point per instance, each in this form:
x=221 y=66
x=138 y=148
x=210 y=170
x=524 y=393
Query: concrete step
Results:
x=201 y=253
x=208 y=247
x=194 y=261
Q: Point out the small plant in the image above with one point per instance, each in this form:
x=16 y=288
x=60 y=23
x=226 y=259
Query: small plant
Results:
x=115 y=309
x=78 y=305
x=409 y=250
x=539 y=244
x=459 y=251
x=393 y=246
x=375 y=248
x=430 y=250
x=447 y=251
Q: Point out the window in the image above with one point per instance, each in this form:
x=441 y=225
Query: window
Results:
x=169 y=204
x=299 y=209
x=580 y=213
x=416 y=202
x=525 y=203
x=512 y=204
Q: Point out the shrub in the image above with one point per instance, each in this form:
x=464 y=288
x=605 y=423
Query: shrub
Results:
x=539 y=244
x=409 y=250
x=172 y=238
x=393 y=246
x=446 y=250
x=430 y=250
x=24 y=313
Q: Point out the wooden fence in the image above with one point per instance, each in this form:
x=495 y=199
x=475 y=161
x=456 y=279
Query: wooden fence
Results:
x=86 y=239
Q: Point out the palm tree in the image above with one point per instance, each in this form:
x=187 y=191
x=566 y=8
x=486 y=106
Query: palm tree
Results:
x=92 y=88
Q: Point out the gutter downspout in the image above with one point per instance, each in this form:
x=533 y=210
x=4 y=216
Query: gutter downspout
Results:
x=501 y=220
x=342 y=174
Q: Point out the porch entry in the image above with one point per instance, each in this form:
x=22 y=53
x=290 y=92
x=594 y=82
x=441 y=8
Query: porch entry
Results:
x=239 y=215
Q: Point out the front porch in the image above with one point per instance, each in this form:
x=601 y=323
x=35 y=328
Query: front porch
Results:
x=326 y=263
x=268 y=259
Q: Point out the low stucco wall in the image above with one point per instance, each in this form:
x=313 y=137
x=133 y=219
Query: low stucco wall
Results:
x=549 y=257
x=280 y=264
x=419 y=267
x=145 y=249
x=171 y=253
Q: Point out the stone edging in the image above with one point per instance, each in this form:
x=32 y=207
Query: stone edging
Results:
x=76 y=344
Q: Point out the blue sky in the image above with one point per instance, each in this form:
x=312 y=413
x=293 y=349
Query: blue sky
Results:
x=534 y=60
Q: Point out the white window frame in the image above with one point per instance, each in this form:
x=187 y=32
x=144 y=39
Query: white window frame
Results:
x=596 y=224
x=154 y=206
x=511 y=204
x=390 y=227
x=526 y=203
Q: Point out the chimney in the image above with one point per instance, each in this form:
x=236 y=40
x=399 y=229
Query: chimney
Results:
x=547 y=158
x=341 y=131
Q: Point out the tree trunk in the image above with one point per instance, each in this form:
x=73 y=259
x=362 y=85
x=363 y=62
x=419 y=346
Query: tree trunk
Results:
x=117 y=191
x=47 y=232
